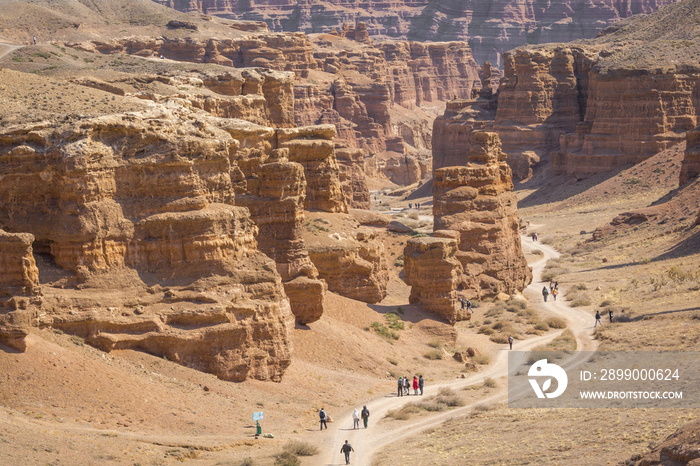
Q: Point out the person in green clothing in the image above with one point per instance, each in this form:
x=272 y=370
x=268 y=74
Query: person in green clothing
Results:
x=365 y=416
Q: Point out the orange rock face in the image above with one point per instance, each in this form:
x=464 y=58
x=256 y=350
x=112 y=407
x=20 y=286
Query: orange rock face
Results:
x=476 y=200
x=435 y=276
x=152 y=193
x=690 y=167
x=349 y=258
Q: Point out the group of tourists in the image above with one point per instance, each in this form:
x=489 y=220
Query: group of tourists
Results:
x=466 y=304
x=404 y=385
x=534 y=236
x=553 y=290
x=414 y=206
x=356 y=416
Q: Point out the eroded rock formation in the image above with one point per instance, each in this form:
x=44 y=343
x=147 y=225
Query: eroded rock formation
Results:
x=435 y=276
x=475 y=199
x=349 y=258
x=690 y=168
x=154 y=193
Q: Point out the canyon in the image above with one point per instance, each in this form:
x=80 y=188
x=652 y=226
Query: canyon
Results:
x=490 y=28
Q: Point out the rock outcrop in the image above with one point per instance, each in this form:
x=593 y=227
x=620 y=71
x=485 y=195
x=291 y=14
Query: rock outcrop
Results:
x=490 y=27
x=19 y=288
x=475 y=199
x=601 y=104
x=349 y=258
x=690 y=168
x=435 y=276
x=154 y=193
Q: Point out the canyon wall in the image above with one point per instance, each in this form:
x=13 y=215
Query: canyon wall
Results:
x=690 y=168
x=475 y=199
x=491 y=28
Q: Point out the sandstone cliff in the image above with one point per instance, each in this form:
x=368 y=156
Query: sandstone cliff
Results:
x=690 y=168
x=601 y=104
x=435 y=276
x=475 y=199
x=154 y=193
x=349 y=258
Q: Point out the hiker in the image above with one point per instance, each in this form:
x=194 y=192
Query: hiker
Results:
x=355 y=419
x=610 y=313
x=510 y=342
x=365 y=416
x=463 y=303
x=555 y=292
x=406 y=385
x=323 y=417
x=469 y=306
x=400 y=386
x=551 y=286
x=545 y=293
x=415 y=385
x=556 y=285
x=421 y=382
x=534 y=236
x=597 y=319
x=34 y=40
x=347 y=448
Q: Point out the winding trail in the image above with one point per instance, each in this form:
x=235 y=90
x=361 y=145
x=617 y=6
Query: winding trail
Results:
x=6 y=48
x=369 y=441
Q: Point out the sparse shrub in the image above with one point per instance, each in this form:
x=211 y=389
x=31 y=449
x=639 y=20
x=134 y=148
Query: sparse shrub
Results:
x=247 y=462
x=564 y=342
x=435 y=344
x=489 y=383
x=623 y=319
x=392 y=361
x=383 y=331
x=486 y=330
x=581 y=287
x=449 y=397
x=299 y=448
x=556 y=322
x=537 y=252
x=481 y=359
x=394 y=322
x=680 y=275
x=548 y=276
x=433 y=354
x=413 y=216
x=77 y=340
x=580 y=301
x=500 y=338
x=287 y=459
x=542 y=325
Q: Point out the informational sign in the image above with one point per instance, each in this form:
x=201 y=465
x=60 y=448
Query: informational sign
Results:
x=258 y=416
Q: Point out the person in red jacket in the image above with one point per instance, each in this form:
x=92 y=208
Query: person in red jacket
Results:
x=415 y=385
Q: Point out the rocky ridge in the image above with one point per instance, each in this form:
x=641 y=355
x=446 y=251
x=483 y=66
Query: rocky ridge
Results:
x=491 y=28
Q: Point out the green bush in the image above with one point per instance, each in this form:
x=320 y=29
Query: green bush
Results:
x=383 y=331
x=394 y=322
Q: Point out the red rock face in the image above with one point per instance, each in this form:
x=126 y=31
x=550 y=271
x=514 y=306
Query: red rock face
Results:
x=476 y=200
x=491 y=27
x=690 y=168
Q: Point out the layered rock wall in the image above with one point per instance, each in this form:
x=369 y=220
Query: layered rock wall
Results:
x=18 y=272
x=476 y=200
x=155 y=193
x=435 y=276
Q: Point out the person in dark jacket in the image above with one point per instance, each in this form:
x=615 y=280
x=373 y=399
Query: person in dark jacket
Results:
x=365 y=415
x=347 y=448
x=421 y=382
x=323 y=417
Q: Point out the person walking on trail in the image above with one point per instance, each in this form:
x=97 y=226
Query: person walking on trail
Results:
x=323 y=417
x=415 y=385
x=365 y=416
x=347 y=448
x=406 y=386
x=555 y=293
x=400 y=386
x=545 y=293
x=355 y=419
x=610 y=314
x=510 y=342
x=421 y=383
x=34 y=40
x=597 y=319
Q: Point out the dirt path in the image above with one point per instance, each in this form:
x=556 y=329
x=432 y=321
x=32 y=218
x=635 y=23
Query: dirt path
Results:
x=369 y=441
x=6 y=48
